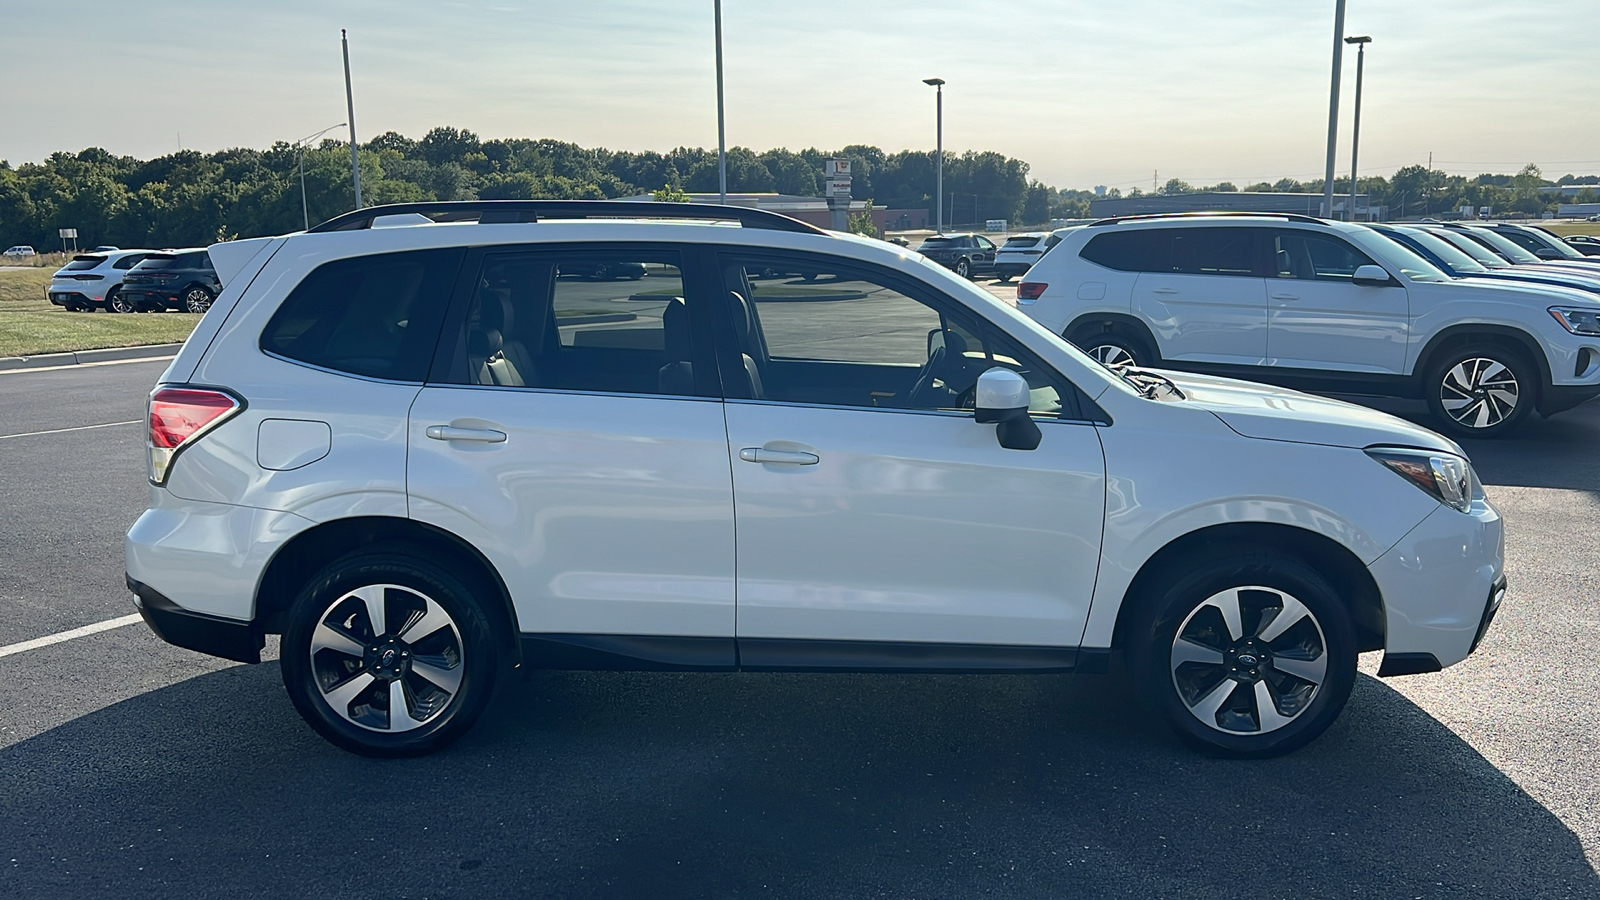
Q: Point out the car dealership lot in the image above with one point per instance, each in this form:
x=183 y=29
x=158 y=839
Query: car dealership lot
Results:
x=131 y=765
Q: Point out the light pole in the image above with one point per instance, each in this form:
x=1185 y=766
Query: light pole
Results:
x=300 y=149
x=1361 y=43
x=1333 y=107
x=722 y=138
x=938 y=163
x=350 y=105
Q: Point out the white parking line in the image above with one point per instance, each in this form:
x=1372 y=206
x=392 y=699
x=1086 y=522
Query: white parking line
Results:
x=75 y=633
x=87 y=365
x=74 y=428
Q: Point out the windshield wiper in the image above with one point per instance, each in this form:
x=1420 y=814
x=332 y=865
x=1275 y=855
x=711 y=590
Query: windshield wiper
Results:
x=1150 y=385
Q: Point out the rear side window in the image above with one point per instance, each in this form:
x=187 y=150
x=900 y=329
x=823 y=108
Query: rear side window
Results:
x=376 y=316
x=1146 y=250
x=1214 y=251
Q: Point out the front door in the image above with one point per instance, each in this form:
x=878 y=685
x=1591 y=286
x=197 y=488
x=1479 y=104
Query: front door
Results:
x=878 y=524
x=578 y=442
x=1319 y=318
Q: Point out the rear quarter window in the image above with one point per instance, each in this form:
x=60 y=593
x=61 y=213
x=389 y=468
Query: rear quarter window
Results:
x=374 y=316
x=1145 y=250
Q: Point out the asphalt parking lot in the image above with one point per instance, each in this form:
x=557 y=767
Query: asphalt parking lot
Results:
x=132 y=768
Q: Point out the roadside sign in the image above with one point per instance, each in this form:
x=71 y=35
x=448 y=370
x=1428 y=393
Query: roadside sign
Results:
x=836 y=187
x=69 y=233
x=837 y=168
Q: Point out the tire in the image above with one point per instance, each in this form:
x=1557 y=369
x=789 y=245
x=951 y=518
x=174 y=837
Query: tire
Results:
x=964 y=268
x=1481 y=391
x=1264 y=691
x=1113 y=348
x=196 y=300
x=117 y=304
x=1006 y=278
x=343 y=678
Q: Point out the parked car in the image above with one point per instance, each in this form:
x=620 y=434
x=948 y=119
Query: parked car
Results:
x=93 y=281
x=1457 y=264
x=1019 y=254
x=182 y=280
x=20 y=251
x=967 y=255
x=1514 y=253
x=1585 y=244
x=1593 y=218
x=392 y=447
x=1543 y=244
x=105 y=249
x=1341 y=308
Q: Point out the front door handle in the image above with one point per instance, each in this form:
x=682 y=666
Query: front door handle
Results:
x=452 y=433
x=1164 y=290
x=786 y=457
x=1286 y=296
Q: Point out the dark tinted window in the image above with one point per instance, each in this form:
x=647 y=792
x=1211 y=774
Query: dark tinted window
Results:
x=158 y=261
x=1145 y=250
x=193 y=261
x=377 y=316
x=80 y=263
x=1214 y=251
x=128 y=262
x=1017 y=243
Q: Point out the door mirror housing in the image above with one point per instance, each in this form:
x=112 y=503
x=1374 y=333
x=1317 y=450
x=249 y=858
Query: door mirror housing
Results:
x=1547 y=253
x=1372 y=276
x=935 y=341
x=1001 y=397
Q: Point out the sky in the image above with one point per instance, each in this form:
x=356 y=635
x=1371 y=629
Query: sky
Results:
x=1088 y=93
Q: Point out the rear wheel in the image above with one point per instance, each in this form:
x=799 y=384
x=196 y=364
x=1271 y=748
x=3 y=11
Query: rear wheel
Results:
x=1113 y=348
x=196 y=300
x=1481 y=391
x=386 y=654
x=1248 y=654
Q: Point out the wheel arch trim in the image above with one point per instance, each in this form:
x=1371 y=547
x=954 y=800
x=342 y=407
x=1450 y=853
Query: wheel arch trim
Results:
x=1465 y=333
x=1111 y=321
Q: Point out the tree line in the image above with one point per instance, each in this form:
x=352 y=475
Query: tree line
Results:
x=192 y=199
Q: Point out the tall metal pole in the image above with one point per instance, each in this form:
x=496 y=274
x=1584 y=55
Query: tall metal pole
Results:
x=938 y=162
x=1333 y=107
x=1355 y=139
x=350 y=105
x=305 y=211
x=722 y=134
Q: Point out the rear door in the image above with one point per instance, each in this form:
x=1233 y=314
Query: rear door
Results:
x=1321 y=319
x=573 y=433
x=1203 y=294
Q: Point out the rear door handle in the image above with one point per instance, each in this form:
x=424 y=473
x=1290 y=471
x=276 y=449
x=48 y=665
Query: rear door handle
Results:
x=786 y=457
x=452 y=433
x=1163 y=290
x=1286 y=296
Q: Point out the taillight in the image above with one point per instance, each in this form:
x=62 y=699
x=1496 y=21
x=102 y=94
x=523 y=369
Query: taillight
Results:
x=179 y=417
x=1029 y=291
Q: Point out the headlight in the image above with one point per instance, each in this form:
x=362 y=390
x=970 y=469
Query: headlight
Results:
x=1578 y=320
x=1447 y=477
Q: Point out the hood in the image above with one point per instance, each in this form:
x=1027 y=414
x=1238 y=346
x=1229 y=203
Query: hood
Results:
x=1518 y=290
x=1278 y=414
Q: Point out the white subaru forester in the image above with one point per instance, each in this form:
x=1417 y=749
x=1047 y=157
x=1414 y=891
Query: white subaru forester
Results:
x=432 y=453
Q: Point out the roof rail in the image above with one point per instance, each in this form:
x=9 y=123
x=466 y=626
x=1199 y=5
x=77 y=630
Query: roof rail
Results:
x=1205 y=214
x=500 y=212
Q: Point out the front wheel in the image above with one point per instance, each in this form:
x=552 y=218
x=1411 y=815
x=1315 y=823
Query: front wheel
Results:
x=387 y=655
x=1480 y=391
x=196 y=300
x=1249 y=654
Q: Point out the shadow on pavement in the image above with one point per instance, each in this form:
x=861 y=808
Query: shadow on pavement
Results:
x=605 y=785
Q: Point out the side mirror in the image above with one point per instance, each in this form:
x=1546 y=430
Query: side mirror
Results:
x=1372 y=276
x=935 y=341
x=1547 y=253
x=1002 y=398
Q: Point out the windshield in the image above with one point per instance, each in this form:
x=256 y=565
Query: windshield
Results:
x=1507 y=247
x=1546 y=239
x=156 y=262
x=1470 y=247
x=1398 y=255
x=79 y=263
x=1019 y=242
x=1452 y=256
x=940 y=241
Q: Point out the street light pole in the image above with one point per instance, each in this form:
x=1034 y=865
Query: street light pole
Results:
x=1333 y=107
x=350 y=105
x=722 y=135
x=1361 y=43
x=938 y=164
x=300 y=150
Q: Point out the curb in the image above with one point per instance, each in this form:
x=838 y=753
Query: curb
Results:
x=46 y=360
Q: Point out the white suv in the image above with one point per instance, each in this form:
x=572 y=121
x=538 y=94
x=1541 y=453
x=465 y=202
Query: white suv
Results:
x=1317 y=305
x=94 y=281
x=426 y=456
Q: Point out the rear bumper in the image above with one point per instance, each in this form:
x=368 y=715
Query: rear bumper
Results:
x=1010 y=268
x=72 y=298
x=227 y=638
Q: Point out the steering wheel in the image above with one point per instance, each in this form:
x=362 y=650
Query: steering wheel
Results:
x=922 y=391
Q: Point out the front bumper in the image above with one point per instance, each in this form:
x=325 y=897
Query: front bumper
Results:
x=1562 y=397
x=1441 y=586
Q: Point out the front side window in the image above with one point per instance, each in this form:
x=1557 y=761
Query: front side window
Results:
x=856 y=338
x=376 y=316
x=580 y=321
x=1314 y=257
x=984 y=243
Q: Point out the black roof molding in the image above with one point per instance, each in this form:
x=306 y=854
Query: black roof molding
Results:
x=1288 y=217
x=500 y=212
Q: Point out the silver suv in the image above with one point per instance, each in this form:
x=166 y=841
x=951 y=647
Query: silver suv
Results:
x=1318 y=305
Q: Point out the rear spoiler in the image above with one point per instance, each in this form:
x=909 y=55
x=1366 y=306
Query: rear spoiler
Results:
x=230 y=257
